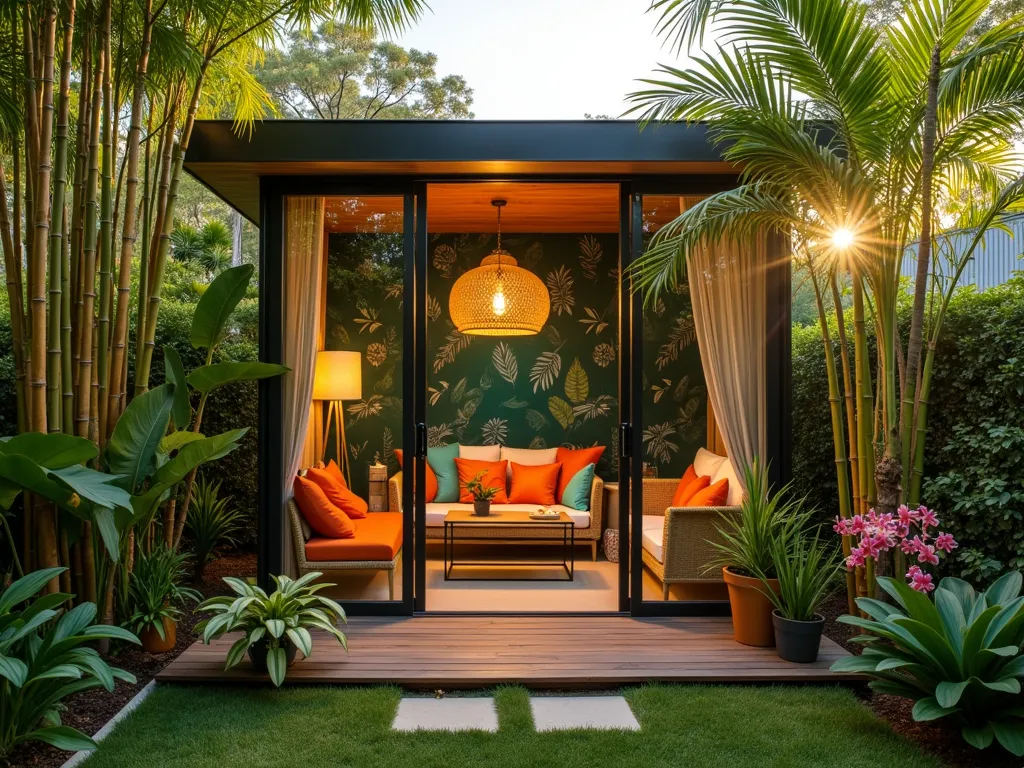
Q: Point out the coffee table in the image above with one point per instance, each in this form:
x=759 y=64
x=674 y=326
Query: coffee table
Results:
x=459 y=524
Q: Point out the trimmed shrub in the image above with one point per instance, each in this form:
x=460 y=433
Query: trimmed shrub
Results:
x=974 y=470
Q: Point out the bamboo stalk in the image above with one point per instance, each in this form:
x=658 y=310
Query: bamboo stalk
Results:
x=78 y=205
x=67 y=414
x=12 y=273
x=106 y=235
x=129 y=231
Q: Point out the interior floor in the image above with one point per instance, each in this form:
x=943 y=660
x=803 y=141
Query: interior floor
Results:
x=594 y=588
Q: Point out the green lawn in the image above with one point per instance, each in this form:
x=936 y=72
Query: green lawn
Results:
x=688 y=726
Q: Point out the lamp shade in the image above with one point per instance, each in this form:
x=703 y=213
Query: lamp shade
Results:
x=339 y=376
x=499 y=298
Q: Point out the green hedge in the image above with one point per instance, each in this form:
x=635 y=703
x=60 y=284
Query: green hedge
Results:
x=974 y=471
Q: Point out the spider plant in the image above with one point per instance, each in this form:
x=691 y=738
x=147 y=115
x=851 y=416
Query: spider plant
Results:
x=806 y=567
x=155 y=590
x=213 y=521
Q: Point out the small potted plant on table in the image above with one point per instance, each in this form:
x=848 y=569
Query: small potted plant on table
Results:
x=806 y=567
x=273 y=626
x=481 y=496
x=155 y=595
x=745 y=555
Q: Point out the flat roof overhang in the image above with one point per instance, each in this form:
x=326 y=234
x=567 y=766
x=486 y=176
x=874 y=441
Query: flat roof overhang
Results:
x=231 y=164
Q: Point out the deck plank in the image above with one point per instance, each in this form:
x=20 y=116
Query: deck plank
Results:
x=539 y=652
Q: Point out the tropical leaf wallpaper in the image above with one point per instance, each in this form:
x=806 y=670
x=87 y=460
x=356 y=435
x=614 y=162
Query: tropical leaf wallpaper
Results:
x=556 y=388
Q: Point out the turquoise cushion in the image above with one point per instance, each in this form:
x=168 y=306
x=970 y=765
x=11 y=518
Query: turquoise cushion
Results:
x=577 y=492
x=442 y=461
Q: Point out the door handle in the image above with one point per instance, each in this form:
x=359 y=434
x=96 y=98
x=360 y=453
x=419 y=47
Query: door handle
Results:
x=421 y=440
x=624 y=440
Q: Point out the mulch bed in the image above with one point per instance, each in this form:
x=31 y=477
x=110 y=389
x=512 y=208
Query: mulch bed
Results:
x=90 y=710
x=943 y=742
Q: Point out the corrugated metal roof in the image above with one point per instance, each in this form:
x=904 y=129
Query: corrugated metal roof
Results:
x=995 y=261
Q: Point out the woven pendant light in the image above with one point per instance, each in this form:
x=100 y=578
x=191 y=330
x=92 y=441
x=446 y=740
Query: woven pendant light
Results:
x=499 y=298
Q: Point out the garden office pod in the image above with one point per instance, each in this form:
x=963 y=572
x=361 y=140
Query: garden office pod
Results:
x=456 y=304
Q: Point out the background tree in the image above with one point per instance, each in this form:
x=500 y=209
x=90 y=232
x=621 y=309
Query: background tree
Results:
x=339 y=72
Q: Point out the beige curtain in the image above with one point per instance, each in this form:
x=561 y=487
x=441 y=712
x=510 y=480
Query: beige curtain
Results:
x=727 y=289
x=302 y=336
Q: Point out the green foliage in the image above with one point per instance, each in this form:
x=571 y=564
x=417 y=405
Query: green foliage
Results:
x=218 y=302
x=285 y=616
x=974 y=472
x=46 y=655
x=155 y=590
x=212 y=521
x=749 y=542
x=339 y=72
x=209 y=247
x=477 y=491
x=958 y=657
x=806 y=566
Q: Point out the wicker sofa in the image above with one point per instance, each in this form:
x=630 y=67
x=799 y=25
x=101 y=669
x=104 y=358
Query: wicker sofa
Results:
x=375 y=547
x=675 y=539
x=588 y=523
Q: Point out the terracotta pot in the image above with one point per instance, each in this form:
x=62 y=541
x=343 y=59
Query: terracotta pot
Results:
x=150 y=638
x=798 y=640
x=482 y=507
x=751 y=610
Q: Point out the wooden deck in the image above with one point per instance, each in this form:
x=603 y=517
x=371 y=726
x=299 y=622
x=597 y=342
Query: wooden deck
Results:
x=539 y=652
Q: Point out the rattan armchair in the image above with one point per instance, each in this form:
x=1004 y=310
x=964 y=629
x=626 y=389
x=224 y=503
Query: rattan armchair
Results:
x=687 y=531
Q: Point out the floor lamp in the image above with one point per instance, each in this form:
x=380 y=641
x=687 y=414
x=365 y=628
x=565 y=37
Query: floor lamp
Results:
x=339 y=376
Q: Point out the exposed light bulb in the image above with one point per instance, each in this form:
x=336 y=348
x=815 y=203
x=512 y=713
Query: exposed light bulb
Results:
x=498 y=302
x=842 y=238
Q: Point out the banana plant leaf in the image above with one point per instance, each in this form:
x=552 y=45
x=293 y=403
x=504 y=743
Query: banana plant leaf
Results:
x=209 y=377
x=181 y=411
x=52 y=451
x=132 y=447
x=216 y=305
x=176 y=440
x=19 y=473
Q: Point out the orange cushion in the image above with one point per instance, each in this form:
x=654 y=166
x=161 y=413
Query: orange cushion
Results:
x=688 y=477
x=322 y=516
x=715 y=495
x=335 y=471
x=431 y=477
x=378 y=537
x=337 y=493
x=495 y=474
x=572 y=461
x=534 y=484
x=695 y=487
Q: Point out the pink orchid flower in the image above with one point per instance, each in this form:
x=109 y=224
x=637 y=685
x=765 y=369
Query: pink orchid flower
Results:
x=945 y=542
x=922 y=582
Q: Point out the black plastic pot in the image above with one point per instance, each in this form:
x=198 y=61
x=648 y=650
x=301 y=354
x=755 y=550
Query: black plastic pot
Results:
x=797 y=641
x=481 y=507
x=258 y=653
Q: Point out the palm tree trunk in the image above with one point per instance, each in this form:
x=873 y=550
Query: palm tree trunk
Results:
x=924 y=252
x=128 y=236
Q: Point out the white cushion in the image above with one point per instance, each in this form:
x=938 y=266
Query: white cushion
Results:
x=735 y=489
x=707 y=463
x=479 y=452
x=529 y=457
x=436 y=512
x=653 y=535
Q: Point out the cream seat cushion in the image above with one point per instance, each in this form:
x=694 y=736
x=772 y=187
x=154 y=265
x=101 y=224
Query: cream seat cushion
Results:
x=726 y=470
x=436 y=512
x=653 y=535
x=707 y=463
x=479 y=452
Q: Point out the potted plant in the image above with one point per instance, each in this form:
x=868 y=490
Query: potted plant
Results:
x=745 y=555
x=155 y=595
x=273 y=626
x=806 y=567
x=481 y=496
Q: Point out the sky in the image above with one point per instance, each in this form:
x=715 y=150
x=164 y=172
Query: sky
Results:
x=542 y=59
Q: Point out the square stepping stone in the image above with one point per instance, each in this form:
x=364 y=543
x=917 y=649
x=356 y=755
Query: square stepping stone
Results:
x=459 y=714
x=559 y=713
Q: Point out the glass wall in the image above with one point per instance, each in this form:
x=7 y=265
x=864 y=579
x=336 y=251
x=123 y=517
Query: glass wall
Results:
x=674 y=418
x=365 y=270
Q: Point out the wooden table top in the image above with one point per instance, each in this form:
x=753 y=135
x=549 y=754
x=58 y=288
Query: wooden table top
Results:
x=501 y=517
